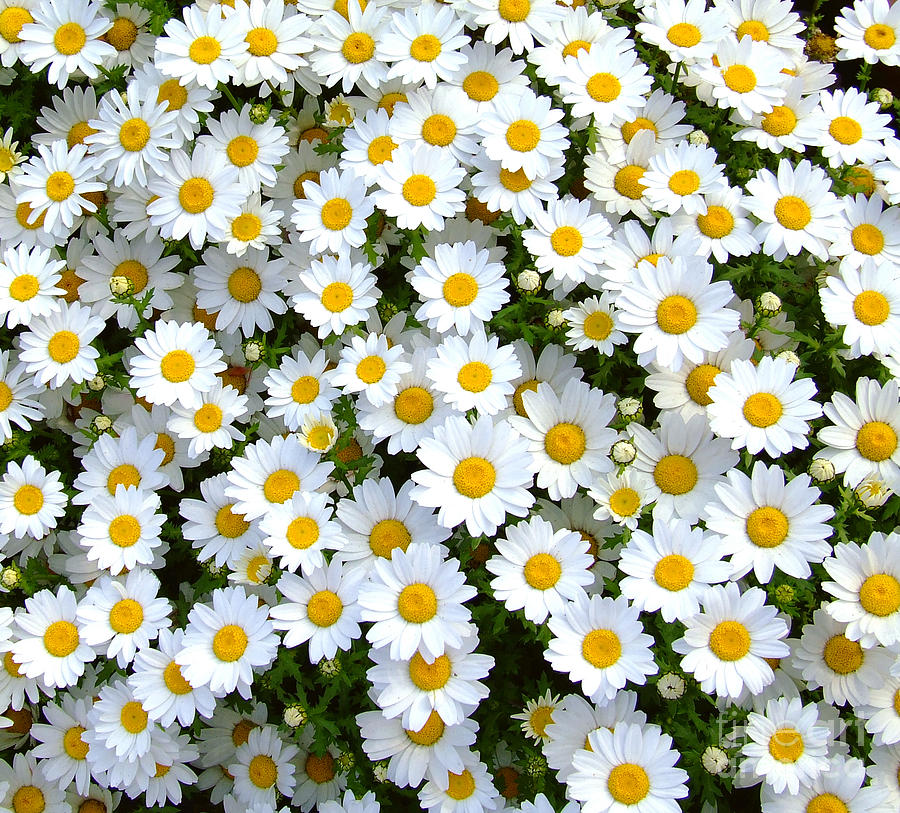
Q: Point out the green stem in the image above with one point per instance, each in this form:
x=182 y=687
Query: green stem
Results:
x=230 y=96
x=675 y=78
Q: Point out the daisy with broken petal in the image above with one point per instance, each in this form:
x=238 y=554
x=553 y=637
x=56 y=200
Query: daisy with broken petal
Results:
x=870 y=30
x=131 y=137
x=321 y=609
x=28 y=284
x=121 y=531
x=123 y=616
x=678 y=179
x=766 y=523
x=593 y=324
x=789 y=747
x=866 y=589
x=762 y=408
x=175 y=363
x=66 y=37
x=537 y=569
x=863 y=439
x=17 y=404
x=31 y=499
x=670 y=570
x=568 y=435
x=297 y=531
x=600 y=643
x=332 y=214
x=727 y=645
x=724 y=230
x=223 y=643
x=686 y=31
x=568 y=241
x=474 y=372
x=777 y=130
x=371 y=366
x=298 y=386
x=335 y=293
x=415 y=601
x=677 y=311
x=275 y=42
x=869 y=232
x=210 y=425
x=201 y=46
x=49 y=645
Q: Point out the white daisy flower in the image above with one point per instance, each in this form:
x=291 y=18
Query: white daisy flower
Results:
x=319 y=778
x=471 y=789
x=488 y=72
x=10 y=42
x=593 y=324
x=870 y=232
x=332 y=214
x=670 y=570
x=686 y=31
x=275 y=42
x=522 y=22
x=223 y=643
x=321 y=609
x=880 y=708
x=120 y=726
x=31 y=499
x=777 y=130
x=346 y=44
x=62 y=751
x=870 y=30
x=210 y=425
x=726 y=646
x=188 y=100
x=621 y=497
x=129 y=35
x=298 y=386
x=371 y=366
x=257 y=226
x=503 y=191
x=442 y=118
x=25 y=784
x=368 y=144
x=884 y=771
x=262 y=767
x=28 y=284
x=297 y=531
x=678 y=179
x=724 y=230
x=764 y=523
x=17 y=405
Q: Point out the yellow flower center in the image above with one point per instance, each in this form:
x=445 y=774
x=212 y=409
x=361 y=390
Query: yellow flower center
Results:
x=69 y=39
x=61 y=639
x=126 y=616
x=414 y=405
x=205 y=50
x=518 y=400
x=320 y=769
x=514 y=11
x=389 y=100
x=337 y=297
x=417 y=603
x=177 y=366
x=475 y=376
x=281 y=485
x=628 y=783
x=63 y=346
x=359 y=47
x=767 y=527
x=867 y=239
x=598 y=326
x=780 y=122
x=302 y=532
x=244 y=284
x=460 y=290
x=739 y=78
x=566 y=241
x=842 y=655
x=419 y=190
x=300 y=180
x=241 y=732
x=729 y=641
x=324 y=608
x=762 y=409
x=133 y=717
x=305 y=389
x=262 y=771
x=386 y=535
x=60 y=185
x=604 y=87
x=124 y=531
x=336 y=214
x=173 y=94
x=684 y=35
x=6 y=396
x=11 y=667
x=134 y=134
x=208 y=418
x=28 y=500
x=481 y=86
x=576 y=46
x=12 y=18
x=675 y=474
x=28 y=799
x=174 y=680
x=754 y=29
x=565 y=443
x=698 y=382
x=879 y=36
x=627 y=182
x=73 y=745
x=229 y=524
x=540 y=718
x=624 y=501
x=880 y=595
x=676 y=314
x=717 y=223
x=261 y=41
x=786 y=745
x=134 y=271
x=246 y=227
x=242 y=151
x=826 y=803
x=871 y=307
x=429 y=733
x=78 y=132
x=601 y=648
x=631 y=128
x=425 y=48
x=429 y=677
x=229 y=643
x=380 y=149
x=122 y=35
x=792 y=213
x=876 y=441
x=196 y=195
x=845 y=130
x=474 y=477
x=371 y=369
x=23 y=213
x=523 y=135
x=439 y=130
x=542 y=571
x=684 y=182
x=674 y=572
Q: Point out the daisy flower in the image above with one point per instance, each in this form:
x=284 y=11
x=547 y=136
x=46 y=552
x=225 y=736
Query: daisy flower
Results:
x=175 y=362
x=121 y=531
x=442 y=118
x=253 y=149
x=321 y=610
x=724 y=230
x=503 y=191
x=679 y=177
x=131 y=137
x=123 y=615
x=188 y=101
x=334 y=293
x=372 y=366
x=160 y=688
x=415 y=601
x=10 y=42
x=367 y=145
x=57 y=348
x=298 y=386
x=422 y=44
x=726 y=646
x=319 y=778
x=522 y=22
x=537 y=716
x=863 y=439
x=197 y=197
x=879 y=710
x=332 y=214
x=884 y=771
x=10 y=157
x=274 y=40
x=829 y=660
x=568 y=241
x=789 y=747
x=761 y=407
x=797 y=209
x=269 y=473
x=24 y=786
x=764 y=523
x=62 y=751
x=243 y=291
x=523 y=132
x=621 y=497
x=593 y=324
x=55 y=182
x=262 y=767
x=129 y=35
x=685 y=31
x=66 y=37
x=419 y=186
x=17 y=405
x=678 y=312
x=866 y=589
x=870 y=30
x=669 y=570
x=223 y=643
x=50 y=646
x=488 y=72
x=201 y=46
x=472 y=789
x=632 y=766
x=659 y=113
x=777 y=130
x=474 y=372
x=210 y=425
x=297 y=531
x=257 y=226
x=870 y=232
x=346 y=44
x=120 y=727
x=488 y=466
x=28 y=284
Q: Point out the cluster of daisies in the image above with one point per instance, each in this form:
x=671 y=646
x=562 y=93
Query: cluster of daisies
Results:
x=332 y=329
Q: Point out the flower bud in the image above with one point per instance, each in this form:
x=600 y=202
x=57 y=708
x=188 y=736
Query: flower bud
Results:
x=555 y=318
x=295 y=715
x=253 y=350
x=96 y=383
x=670 y=686
x=768 y=304
x=883 y=96
x=715 y=760
x=821 y=470
x=698 y=138
x=623 y=452
x=631 y=409
x=528 y=281
x=120 y=285
x=789 y=356
x=259 y=114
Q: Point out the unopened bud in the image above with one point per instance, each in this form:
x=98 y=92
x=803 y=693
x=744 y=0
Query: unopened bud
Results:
x=96 y=384
x=253 y=350
x=768 y=304
x=101 y=424
x=821 y=470
x=883 y=96
x=555 y=318
x=120 y=285
x=259 y=114
x=698 y=138
x=623 y=452
x=528 y=281
x=295 y=716
x=714 y=760
x=631 y=409
x=670 y=686
x=789 y=356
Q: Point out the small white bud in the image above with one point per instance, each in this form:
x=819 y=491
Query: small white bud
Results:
x=789 y=356
x=698 y=138
x=883 y=96
x=630 y=408
x=96 y=383
x=715 y=760
x=555 y=318
x=253 y=350
x=295 y=716
x=670 y=686
x=623 y=451
x=528 y=281
x=768 y=304
x=821 y=470
x=101 y=424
